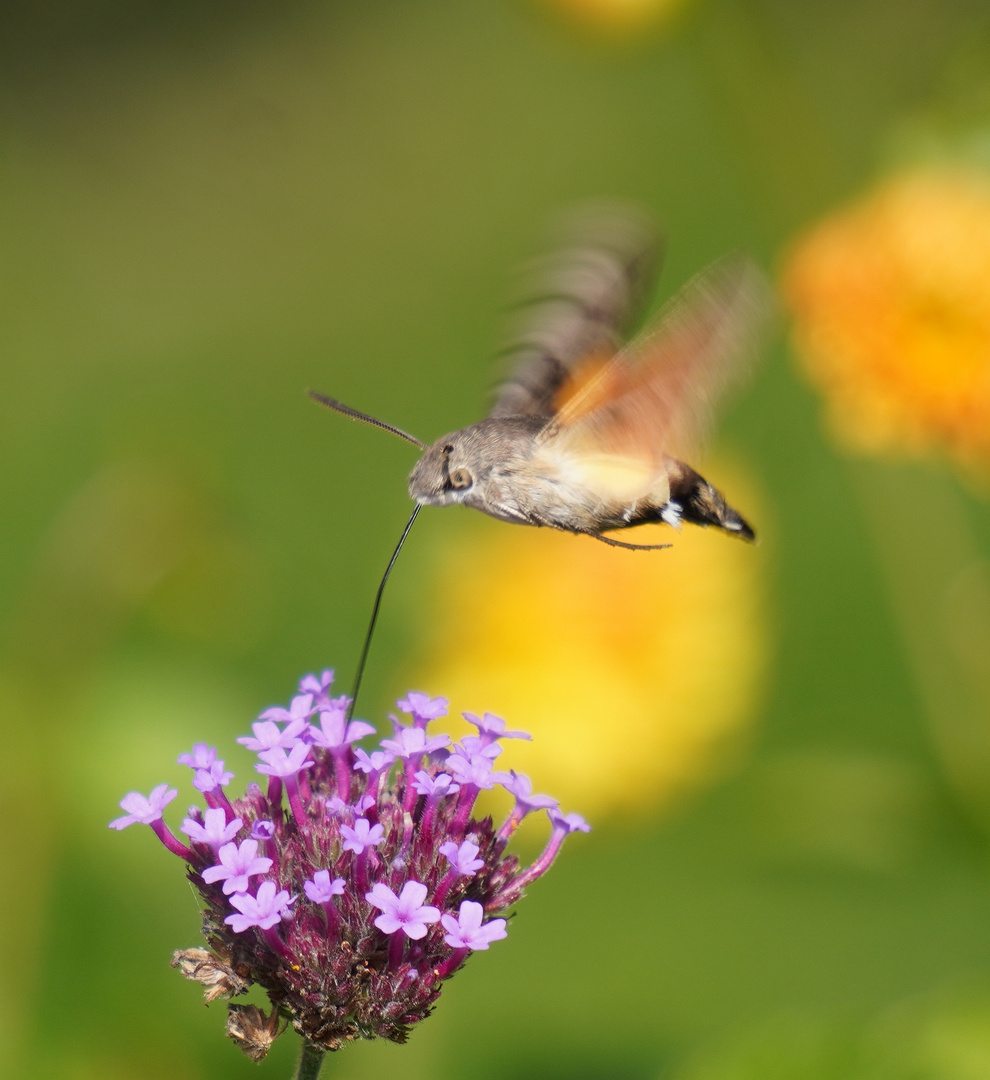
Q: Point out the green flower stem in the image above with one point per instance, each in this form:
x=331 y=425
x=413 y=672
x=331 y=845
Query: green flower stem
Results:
x=939 y=584
x=310 y=1061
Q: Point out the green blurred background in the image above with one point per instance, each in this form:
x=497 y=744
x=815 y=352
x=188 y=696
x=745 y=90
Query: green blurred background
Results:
x=209 y=207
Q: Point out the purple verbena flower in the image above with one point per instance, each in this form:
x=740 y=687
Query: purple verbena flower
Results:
x=264 y=910
x=466 y=931
x=284 y=763
x=334 y=730
x=568 y=823
x=462 y=857
x=202 y=756
x=375 y=762
x=518 y=784
x=149 y=811
x=212 y=778
x=471 y=745
x=143 y=810
x=437 y=786
x=363 y=835
x=300 y=708
x=411 y=742
x=214 y=830
x=321 y=889
x=268 y=735
x=423 y=708
x=476 y=770
x=237 y=864
x=351 y=905
x=311 y=684
x=491 y=727
x=405 y=912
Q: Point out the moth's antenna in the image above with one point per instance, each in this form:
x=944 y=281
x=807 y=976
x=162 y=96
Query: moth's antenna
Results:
x=339 y=406
x=378 y=604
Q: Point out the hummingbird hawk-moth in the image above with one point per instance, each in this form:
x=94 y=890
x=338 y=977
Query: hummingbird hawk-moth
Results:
x=588 y=435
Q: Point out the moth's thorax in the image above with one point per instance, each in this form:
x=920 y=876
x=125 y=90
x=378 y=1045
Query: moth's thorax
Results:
x=462 y=466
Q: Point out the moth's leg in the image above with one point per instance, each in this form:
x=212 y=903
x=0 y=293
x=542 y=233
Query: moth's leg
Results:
x=511 y=514
x=629 y=547
x=537 y=519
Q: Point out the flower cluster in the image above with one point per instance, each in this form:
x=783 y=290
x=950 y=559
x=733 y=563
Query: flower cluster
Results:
x=355 y=882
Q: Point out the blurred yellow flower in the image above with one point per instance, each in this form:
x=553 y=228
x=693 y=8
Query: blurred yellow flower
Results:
x=891 y=306
x=613 y=18
x=635 y=672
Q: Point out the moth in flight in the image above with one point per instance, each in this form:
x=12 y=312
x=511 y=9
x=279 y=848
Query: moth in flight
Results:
x=589 y=434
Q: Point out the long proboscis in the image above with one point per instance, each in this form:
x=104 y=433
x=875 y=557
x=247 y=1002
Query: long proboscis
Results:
x=346 y=410
x=374 y=611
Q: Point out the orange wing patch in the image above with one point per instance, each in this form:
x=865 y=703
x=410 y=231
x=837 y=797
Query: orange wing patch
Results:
x=592 y=382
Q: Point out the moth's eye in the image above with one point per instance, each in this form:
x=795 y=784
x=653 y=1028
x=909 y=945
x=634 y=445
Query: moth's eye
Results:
x=460 y=479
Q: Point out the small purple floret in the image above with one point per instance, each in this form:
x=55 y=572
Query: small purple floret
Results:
x=476 y=770
x=405 y=912
x=202 y=756
x=334 y=730
x=268 y=735
x=519 y=784
x=144 y=811
x=300 y=708
x=211 y=778
x=569 y=822
x=321 y=890
x=423 y=708
x=463 y=858
x=465 y=930
x=237 y=864
x=436 y=786
x=410 y=742
x=310 y=684
x=264 y=910
x=214 y=830
x=492 y=727
x=470 y=745
x=362 y=835
x=284 y=763
x=369 y=763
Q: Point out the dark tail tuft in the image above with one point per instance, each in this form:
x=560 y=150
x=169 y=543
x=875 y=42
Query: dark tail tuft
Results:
x=702 y=504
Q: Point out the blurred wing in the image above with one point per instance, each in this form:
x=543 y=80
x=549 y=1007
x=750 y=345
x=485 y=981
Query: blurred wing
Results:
x=656 y=397
x=580 y=300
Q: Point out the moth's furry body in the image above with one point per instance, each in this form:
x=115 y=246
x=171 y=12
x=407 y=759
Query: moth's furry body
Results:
x=588 y=435
x=522 y=475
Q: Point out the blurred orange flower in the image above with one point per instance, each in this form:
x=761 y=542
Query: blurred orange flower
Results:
x=614 y=18
x=891 y=305
x=635 y=672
